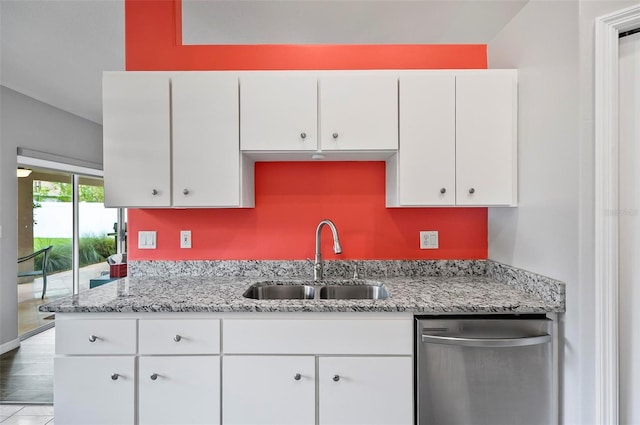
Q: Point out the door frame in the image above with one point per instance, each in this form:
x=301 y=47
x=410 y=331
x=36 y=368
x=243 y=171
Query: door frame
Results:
x=607 y=29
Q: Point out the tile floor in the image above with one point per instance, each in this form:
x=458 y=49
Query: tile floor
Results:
x=26 y=373
x=18 y=414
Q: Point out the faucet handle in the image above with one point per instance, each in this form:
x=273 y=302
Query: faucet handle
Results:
x=355 y=271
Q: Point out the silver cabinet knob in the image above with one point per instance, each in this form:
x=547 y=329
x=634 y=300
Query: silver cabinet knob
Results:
x=185 y=191
x=335 y=135
x=177 y=338
x=443 y=190
x=297 y=376
x=92 y=338
x=303 y=136
x=115 y=376
x=154 y=192
x=154 y=376
x=472 y=191
x=336 y=378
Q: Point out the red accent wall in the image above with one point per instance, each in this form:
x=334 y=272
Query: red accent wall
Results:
x=292 y=197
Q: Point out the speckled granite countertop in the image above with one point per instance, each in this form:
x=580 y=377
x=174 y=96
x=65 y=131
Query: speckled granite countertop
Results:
x=488 y=290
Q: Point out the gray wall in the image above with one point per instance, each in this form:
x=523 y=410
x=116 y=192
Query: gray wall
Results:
x=551 y=232
x=28 y=123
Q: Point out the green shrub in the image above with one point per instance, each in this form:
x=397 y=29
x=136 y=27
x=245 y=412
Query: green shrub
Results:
x=92 y=250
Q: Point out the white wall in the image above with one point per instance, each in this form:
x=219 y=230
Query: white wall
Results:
x=551 y=232
x=542 y=234
x=27 y=123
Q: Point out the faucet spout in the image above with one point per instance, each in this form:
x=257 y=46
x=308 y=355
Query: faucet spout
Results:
x=337 y=248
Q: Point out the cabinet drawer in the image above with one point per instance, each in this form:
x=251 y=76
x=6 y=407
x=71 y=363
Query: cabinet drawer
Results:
x=96 y=336
x=317 y=336
x=179 y=336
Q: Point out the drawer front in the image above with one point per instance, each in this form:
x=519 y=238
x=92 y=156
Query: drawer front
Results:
x=97 y=336
x=318 y=336
x=200 y=336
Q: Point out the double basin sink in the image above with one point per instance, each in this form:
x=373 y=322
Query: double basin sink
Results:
x=361 y=289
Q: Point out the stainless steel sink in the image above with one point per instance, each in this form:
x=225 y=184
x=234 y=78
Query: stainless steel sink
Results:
x=362 y=289
x=351 y=292
x=265 y=291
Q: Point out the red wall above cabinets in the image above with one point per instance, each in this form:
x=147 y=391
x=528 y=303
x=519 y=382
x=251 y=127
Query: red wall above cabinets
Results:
x=291 y=198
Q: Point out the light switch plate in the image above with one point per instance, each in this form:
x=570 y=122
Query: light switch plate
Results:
x=185 y=238
x=147 y=239
x=429 y=239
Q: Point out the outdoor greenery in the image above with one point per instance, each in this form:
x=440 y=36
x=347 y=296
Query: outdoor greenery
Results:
x=62 y=192
x=93 y=249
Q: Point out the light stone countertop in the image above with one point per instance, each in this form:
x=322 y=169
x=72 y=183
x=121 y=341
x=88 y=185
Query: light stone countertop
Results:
x=418 y=294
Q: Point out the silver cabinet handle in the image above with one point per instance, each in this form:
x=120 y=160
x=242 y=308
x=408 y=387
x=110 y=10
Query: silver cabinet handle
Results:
x=303 y=135
x=185 y=191
x=93 y=338
x=154 y=192
x=154 y=376
x=487 y=342
x=335 y=135
x=297 y=377
x=443 y=190
x=336 y=378
x=472 y=191
x=177 y=338
x=115 y=376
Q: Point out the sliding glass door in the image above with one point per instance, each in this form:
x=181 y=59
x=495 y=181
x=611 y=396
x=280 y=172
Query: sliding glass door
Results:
x=63 y=221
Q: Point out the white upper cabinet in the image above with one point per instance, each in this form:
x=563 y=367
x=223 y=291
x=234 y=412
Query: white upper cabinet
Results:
x=279 y=111
x=136 y=139
x=486 y=134
x=358 y=111
x=206 y=152
x=458 y=140
x=427 y=155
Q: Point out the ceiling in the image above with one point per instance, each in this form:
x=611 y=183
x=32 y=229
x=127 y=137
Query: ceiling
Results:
x=56 y=50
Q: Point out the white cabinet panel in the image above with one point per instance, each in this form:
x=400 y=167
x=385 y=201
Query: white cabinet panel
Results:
x=206 y=151
x=274 y=390
x=278 y=111
x=365 y=390
x=426 y=158
x=136 y=139
x=486 y=126
x=179 y=336
x=358 y=112
x=94 y=390
x=96 y=336
x=185 y=391
x=370 y=336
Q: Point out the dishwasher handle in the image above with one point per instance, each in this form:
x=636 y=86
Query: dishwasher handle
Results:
x=487 y=342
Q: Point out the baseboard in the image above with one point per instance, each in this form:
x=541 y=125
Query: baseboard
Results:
x=8 y=346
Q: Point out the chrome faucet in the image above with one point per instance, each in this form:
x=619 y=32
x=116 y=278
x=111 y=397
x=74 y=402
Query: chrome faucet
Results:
x=318 y=265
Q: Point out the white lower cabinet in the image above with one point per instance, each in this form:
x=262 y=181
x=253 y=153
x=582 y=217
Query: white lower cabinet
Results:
x=94 y=390
x=276 y=390
x=179 y=390
x=365 y=390
x=148 y=369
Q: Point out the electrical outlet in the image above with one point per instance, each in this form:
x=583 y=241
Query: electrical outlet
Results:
x=147 y=240
x=185 y=238
x=429 y=239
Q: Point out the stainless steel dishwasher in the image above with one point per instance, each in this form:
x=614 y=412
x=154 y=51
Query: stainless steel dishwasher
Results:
x=484 y=370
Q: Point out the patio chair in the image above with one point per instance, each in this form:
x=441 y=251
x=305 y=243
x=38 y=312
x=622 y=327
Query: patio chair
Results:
x=43 y=272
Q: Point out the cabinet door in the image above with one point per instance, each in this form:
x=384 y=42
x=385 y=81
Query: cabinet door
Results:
x=94 y=390
x=486 y=139
x=206 y=149
x=186 y=390
x=358 y=112
x=276 y=390
x=427 y=151
x=365 y=390
x=136 y=140
x=278 y=111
